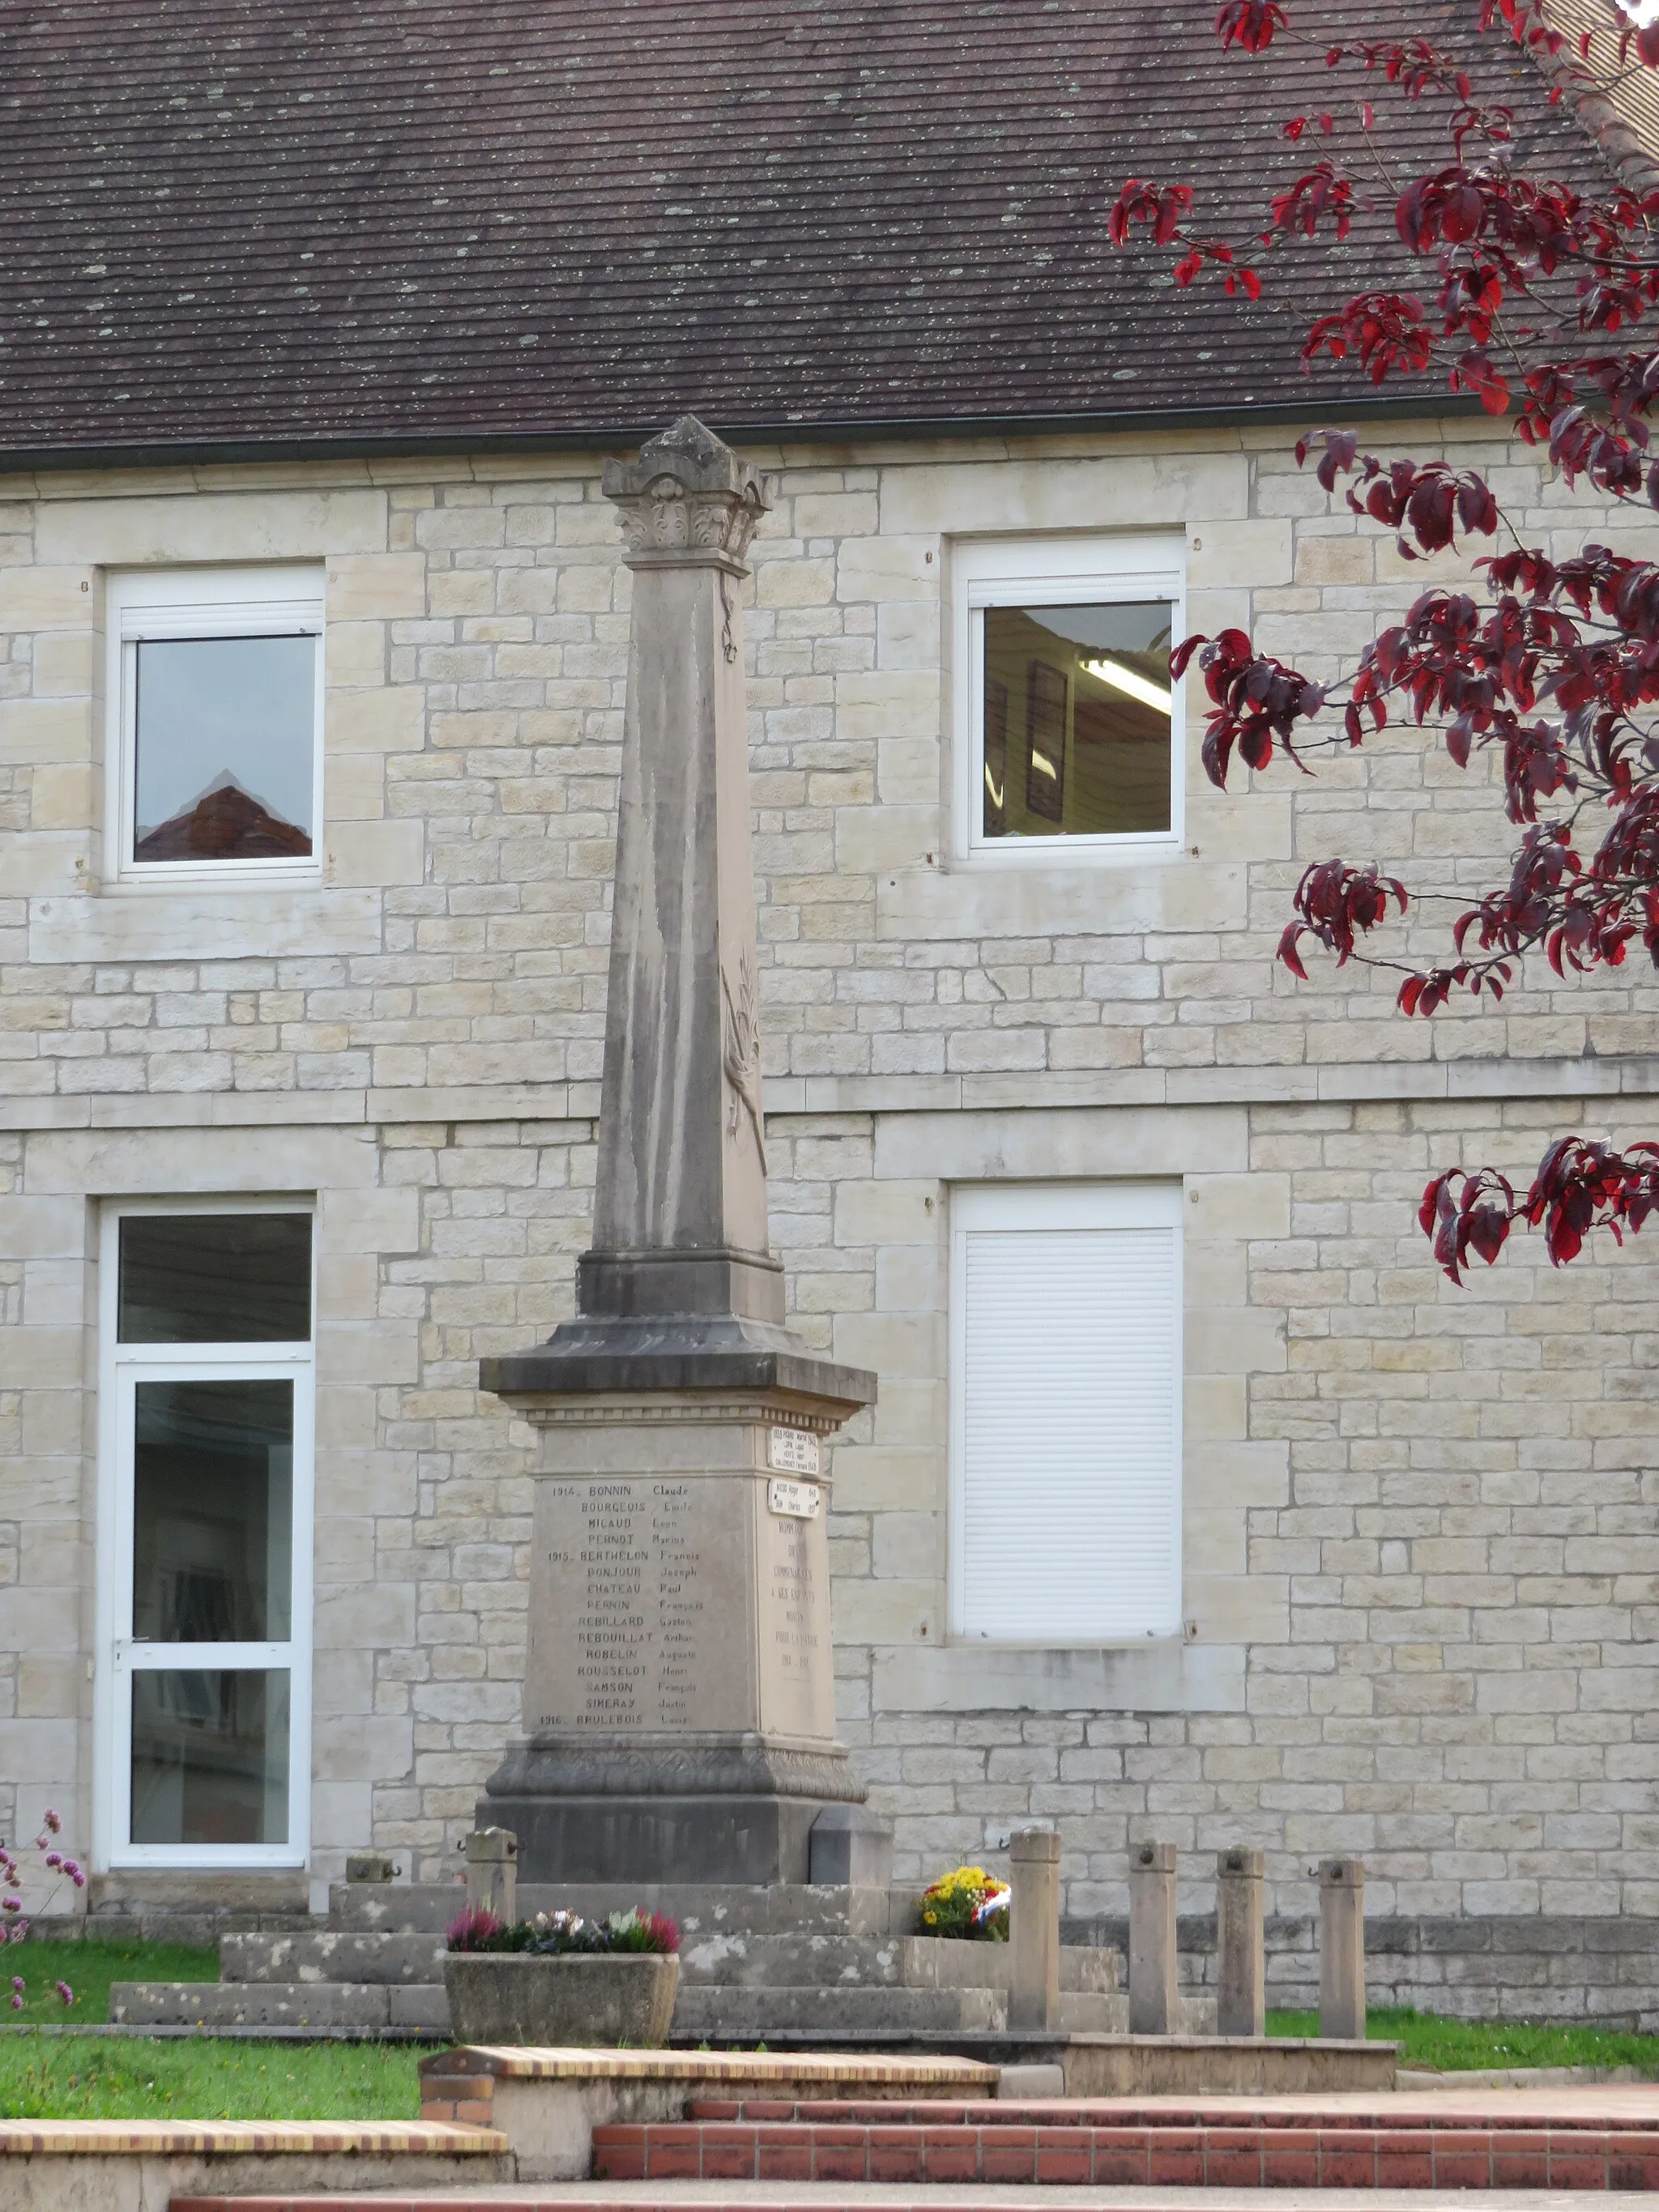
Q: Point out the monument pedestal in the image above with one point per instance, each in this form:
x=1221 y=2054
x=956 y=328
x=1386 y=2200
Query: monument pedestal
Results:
x=679 y=1692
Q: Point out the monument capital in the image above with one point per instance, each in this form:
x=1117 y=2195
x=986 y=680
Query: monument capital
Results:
x=688 y=500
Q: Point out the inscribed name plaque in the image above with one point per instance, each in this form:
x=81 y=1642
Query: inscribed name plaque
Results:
x=633 y=1637
x=644 y=1628
x=793 y=1451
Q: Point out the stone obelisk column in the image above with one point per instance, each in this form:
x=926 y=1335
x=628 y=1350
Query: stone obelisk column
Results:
x=679 y=1715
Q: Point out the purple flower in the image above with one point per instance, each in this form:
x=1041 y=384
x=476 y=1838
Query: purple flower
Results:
x=54 y=1826
x=17 y=2001
x=65 y=1992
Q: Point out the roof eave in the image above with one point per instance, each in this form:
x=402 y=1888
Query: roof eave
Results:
x=207 y=453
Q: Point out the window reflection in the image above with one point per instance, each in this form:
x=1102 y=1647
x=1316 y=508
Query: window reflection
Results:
x=1077 y=715
x=209 y=1757
x=214 y=1278
x=225 y=737
x=212 y=1512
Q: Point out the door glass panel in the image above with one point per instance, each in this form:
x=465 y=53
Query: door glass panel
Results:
x=214 y=1278
x=212 y=1512
x=1076 y=712
x=209 y=1757
x=226 y=732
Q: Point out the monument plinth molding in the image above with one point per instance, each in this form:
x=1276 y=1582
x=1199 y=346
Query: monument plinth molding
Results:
x=679 y=1717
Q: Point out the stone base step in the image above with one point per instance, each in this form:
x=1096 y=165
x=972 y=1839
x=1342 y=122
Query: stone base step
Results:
x=421 y=2007
x=701 y=1908
x=757 y=2014
x=332 y=1955
x=701 y=2011
x=797 y=1960
x=818 y=1960
x=1054 y=2143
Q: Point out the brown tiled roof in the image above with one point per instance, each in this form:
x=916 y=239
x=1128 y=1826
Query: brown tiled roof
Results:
x=231 y=226
x=1621 y=110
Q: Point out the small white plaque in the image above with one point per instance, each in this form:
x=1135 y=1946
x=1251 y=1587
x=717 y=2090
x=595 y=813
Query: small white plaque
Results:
x=793 y=1451
x=796 y=1501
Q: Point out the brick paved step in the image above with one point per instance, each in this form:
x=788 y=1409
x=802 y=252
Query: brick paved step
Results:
x=1516 y=2113
x=332 y=1955
x=414 y=2005
x=1105 y=2146
x=806 y=2196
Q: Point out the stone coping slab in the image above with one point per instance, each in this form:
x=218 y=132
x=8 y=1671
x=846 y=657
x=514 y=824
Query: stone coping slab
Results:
x=254 y=2138
x=858 y=2070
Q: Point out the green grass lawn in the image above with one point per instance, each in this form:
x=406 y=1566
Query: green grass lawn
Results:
x=89 y=1968
x=1457 y=2046
x=87 y=2077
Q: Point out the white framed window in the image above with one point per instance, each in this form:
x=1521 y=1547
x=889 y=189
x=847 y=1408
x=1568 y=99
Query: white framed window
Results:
x=214 y=691
x=1065 y=1367
x=1068 y=730
x=205 y=1463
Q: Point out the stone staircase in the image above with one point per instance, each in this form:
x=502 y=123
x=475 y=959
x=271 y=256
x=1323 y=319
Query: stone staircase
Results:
x=754 y=1963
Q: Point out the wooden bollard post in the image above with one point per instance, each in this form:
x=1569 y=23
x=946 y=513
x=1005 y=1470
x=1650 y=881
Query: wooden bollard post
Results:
x=1342 y=1949
x=1153 y=1998
x=1034 y=1928
x=492 y=1872
x=1242 y=1981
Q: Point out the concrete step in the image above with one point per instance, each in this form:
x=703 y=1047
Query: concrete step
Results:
x=423 y=2006
x=754 y=2013
x=701 y=1908
x=1078 y=2145
x=333 y=1955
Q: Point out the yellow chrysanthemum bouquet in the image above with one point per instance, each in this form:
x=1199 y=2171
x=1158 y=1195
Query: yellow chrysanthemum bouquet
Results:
x=968 y=1903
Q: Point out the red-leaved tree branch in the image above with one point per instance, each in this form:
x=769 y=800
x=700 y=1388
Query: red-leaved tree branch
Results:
x=1534 y=296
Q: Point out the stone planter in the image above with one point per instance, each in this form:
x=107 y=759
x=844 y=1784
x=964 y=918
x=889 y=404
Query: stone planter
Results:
x=622 y=1998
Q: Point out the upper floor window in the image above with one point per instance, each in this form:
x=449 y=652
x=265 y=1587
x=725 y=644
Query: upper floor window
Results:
x=1067 y=724
x=215 y=685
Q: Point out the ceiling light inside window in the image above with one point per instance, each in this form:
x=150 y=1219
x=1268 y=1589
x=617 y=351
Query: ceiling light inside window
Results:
x=1131 y=683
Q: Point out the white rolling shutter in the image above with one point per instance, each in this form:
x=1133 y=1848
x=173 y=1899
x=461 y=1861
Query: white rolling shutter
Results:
x=1065 y=1328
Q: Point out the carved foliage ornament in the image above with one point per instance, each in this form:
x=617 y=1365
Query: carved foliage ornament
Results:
x=687 y=495
x=742 y=1054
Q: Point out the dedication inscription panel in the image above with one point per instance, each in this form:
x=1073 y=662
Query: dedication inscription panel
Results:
x=643 y=1625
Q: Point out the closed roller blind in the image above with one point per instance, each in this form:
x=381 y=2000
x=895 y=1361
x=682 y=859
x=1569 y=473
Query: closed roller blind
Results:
x=1069 y=1515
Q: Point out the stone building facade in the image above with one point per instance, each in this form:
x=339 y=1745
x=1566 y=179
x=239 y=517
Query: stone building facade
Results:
x=1419 y=1569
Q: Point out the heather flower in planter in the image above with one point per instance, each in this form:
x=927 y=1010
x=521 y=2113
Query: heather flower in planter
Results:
x=967 y=1904
x=560 y=1979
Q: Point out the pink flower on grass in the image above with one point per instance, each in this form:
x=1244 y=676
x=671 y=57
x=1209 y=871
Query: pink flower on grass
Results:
x=65 y=1992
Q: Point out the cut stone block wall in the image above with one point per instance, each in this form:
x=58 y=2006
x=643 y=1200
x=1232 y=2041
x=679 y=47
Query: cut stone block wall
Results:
x=1422 y=1571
